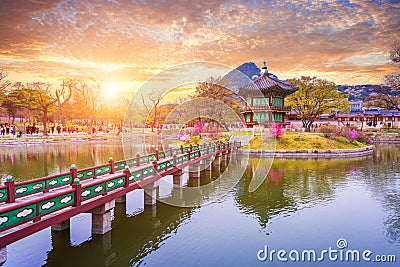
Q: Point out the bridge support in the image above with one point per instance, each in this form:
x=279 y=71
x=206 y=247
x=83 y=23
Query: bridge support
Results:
x=121 y=199
x=150 y=194
x=176 y=178
x=101 y=218
x=64 y=225
x=194 y=171
x=3 y=255
x=217 y=162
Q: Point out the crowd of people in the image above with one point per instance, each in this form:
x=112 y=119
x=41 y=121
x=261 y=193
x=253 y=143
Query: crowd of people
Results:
x=7 y=129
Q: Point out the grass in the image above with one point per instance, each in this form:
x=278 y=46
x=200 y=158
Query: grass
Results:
x=294 y=141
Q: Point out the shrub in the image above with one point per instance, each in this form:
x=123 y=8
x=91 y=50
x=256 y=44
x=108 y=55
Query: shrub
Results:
x=276 y=130
x=350 y=133
x=329 y=130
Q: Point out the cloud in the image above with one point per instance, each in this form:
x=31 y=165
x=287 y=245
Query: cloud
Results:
x=131 y=40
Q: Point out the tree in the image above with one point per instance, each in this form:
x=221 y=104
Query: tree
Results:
x=315 y=97
x=85 y=103
x=40 y=99
x=217 y=88
x=3 y=84
x=395 y=53
x=62 y=97
x=154 y=97
x=389 y=96
x=15 y=100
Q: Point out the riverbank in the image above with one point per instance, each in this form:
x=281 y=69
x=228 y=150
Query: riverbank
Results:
x=306 y=145
x=311 y=153
x=56 y=139
x=393 y=138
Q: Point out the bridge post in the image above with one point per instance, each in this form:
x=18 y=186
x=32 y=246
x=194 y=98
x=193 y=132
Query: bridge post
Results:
x=10 y=189
x=111 y=161
x=101 y=218
x=138 y=159
x=73 y=171
x=3 y=255
x=77 y=194
x=64 y=225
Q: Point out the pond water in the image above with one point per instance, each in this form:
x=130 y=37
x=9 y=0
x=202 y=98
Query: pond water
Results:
x=303 y=205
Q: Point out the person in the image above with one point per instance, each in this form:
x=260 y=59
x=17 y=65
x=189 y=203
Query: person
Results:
x=19 y=134
x=58 y=129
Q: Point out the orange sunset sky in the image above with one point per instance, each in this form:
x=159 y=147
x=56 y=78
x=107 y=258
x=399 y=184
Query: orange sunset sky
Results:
x=123 y=43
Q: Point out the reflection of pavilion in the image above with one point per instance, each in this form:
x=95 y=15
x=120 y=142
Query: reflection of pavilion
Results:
x=292 y=185
x=265 y=99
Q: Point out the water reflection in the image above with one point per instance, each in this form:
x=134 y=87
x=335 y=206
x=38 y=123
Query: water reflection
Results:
x=292 y=185
x=28 y=162
x=302 y=204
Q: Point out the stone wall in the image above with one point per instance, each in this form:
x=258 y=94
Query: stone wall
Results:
x=386 y=138
x=312 y=153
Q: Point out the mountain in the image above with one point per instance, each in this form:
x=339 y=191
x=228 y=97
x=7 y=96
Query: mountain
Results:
x=243 y=75
x=359 y=92
x=249 y=69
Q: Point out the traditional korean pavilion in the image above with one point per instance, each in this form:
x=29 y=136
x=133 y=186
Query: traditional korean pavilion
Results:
x=265 y=100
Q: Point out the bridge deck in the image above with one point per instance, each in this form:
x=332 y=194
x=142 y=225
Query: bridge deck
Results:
x=39 y=210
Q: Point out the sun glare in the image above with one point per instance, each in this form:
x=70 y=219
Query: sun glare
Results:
x=110 y=90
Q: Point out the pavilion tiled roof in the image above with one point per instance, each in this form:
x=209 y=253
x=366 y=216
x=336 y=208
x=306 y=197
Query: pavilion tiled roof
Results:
x=266 y=81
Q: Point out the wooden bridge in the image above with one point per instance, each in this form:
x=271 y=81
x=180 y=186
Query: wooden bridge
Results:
x=30 y=206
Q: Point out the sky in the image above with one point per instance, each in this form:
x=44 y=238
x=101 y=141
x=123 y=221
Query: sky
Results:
x=124 y=43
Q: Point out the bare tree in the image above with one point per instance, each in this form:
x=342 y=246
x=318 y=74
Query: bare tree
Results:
x=3 y=75
x=62 y=97
x=395 y=53
x=391 y=95
x=154 y=97
x=86 y=100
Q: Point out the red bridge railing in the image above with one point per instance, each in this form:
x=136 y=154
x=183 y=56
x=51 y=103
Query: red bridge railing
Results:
x=16 y=213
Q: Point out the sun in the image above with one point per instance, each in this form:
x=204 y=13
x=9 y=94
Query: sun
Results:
x=110 y=90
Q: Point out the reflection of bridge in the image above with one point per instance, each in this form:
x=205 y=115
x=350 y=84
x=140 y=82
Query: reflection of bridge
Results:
x=33 y=205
